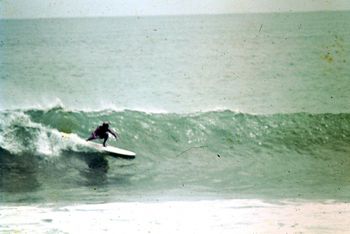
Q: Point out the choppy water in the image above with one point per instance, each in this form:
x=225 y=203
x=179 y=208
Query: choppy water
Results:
x=252 y=106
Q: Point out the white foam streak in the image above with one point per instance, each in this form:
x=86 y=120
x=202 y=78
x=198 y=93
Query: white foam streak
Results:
x=220 y=216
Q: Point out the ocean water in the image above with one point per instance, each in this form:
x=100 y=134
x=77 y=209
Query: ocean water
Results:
x=217 y=108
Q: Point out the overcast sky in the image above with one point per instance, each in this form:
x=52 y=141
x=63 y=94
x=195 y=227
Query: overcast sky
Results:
x=91 y=8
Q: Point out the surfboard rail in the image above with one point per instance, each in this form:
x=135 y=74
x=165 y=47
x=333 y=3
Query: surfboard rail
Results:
x=111 y=150
x=108 y=150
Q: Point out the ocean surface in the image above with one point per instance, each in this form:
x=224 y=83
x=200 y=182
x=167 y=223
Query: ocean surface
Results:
x=217 y=108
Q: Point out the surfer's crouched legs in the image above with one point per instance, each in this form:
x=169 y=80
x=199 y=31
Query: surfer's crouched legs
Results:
x=105 y=137
x=92 y=137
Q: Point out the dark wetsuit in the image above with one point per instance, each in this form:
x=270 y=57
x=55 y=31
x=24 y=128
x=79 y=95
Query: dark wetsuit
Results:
x=102 y=133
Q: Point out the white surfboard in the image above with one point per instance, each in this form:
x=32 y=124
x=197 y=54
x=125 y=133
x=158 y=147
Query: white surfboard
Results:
x=109 y=150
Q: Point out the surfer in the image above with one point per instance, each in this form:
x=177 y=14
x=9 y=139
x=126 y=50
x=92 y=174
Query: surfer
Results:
x=101 y=132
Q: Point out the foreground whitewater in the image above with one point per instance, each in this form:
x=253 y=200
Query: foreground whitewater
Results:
x=207 y=216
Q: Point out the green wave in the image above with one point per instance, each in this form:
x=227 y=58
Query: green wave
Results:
x=221 y=129
x=222 y=153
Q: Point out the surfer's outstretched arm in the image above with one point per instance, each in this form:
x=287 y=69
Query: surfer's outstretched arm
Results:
x=113 y=133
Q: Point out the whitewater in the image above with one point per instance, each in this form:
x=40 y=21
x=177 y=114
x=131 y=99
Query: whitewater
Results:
x=240 y=123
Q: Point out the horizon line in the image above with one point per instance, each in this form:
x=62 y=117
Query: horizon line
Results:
x=173 y=15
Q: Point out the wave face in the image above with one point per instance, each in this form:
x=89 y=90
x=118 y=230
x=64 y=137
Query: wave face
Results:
x=219 y=153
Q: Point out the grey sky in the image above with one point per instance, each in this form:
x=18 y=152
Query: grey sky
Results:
x=90 y=8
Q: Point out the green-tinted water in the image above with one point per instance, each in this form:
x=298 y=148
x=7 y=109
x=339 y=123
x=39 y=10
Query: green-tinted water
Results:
x=263 y=63
x=251 y=106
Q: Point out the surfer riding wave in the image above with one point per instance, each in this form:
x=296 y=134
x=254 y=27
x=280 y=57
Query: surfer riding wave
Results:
x=101 y=132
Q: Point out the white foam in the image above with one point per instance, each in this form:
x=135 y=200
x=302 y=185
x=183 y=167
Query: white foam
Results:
x=220 y=216
x=43 y=145
x=8 y=140
x=42 y=140
x=50 y=143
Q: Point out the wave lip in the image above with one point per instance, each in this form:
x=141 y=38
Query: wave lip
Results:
x=110 y=107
